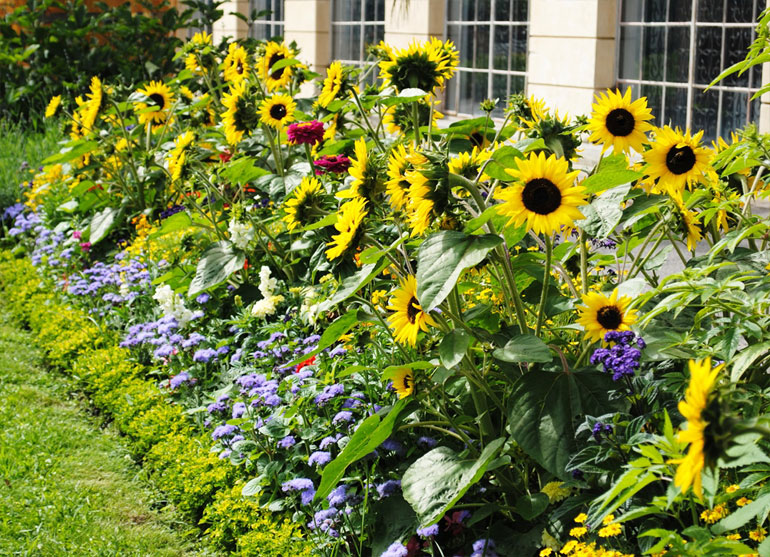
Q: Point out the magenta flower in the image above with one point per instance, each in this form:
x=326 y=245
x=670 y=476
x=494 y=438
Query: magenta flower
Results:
x=332 y=163
x=305 y=133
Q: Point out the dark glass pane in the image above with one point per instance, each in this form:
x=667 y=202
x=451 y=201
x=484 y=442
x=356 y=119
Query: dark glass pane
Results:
x=369 y=10
x=711 y=10
x=676 y=107
x=278 y=13
x=347 y=10
x=630 y=46
x=347 y=42
x=465 y=100
x=734 y=109
x=454 y=10
x=655 y=10
x=503 y=10
x=708 y=52
x=483 y=8
x=653 y=52
x=501 y=46
x=705 y=109
x=481 y=46
x=654 y=94
x=517 y=84
x=678 y=59
x=374 y=10
x=680 y=10
x=462 y=36
x=480 y=89
x=500 y=92
x=740 y=11
x=450 y=103
x=372 y=35
x=519 y=50
x=736 y=44
x=520 y=10
x=632 y=10
x=259 y=5
x=756 y=75
x=754 y=110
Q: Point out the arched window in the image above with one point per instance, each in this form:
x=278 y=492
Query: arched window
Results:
x=491 y=36
x=270 y=23
x=356 y=24
x=670 y=50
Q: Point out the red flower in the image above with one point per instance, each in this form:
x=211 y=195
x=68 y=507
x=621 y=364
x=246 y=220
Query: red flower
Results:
x=332 y=163
x=225 y=156
x=305 y=133
x=309 y=362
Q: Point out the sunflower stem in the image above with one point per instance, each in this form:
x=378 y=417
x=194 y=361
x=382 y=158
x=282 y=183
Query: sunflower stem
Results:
x=416 y=124
x=583 y=263
x=309 y=156
x=546 y=284
x=671 y=239
x=365 y=118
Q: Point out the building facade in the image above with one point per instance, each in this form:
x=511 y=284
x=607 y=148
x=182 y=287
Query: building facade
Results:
x=564 y=51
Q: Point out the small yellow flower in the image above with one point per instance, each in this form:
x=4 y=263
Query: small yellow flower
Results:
x=569 y=547
x=578 y=531
x=608 y=519
x=743 y=501
x=546 y=552
x=555 y=491
x=732 y=488
x=581 y=518
x=733 y=537
x=717 y=513
x=758 y=535
x=610 y=531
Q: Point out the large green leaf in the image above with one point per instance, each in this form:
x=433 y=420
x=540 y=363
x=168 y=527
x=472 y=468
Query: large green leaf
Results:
x=443 y=257
x=524 y=348
x=438 y=479
x=72 y=151
x=369 y=435
x=613 y=171
x=604 y=213
x=759 y=508
x=453 y=347
x=101 y=224
x=219 y=261
x=395 y=521
x=547 y=408
x=353 y=284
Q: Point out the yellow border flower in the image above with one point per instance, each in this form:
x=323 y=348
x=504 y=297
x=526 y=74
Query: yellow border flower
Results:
x=702 y=380
x=601 y=314
x=408 y=319
x=618 y=122
x=277 y=111
x=349 y=219
x=275 y=52
x=545 y=197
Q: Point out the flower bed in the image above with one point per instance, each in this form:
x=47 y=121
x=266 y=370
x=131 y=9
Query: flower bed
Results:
x=409 y=339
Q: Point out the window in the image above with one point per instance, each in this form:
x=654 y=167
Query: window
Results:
x=197 y=23
x=270 y=24
x=491 y=36
x=356 y=24
x=670 y=50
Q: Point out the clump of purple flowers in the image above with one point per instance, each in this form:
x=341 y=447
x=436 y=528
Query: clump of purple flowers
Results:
x=599 y=429
x=621 y=359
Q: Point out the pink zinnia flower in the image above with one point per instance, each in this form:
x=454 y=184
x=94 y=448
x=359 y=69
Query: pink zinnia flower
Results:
x=305 y=133
x=332 y=163
x=85 y=246
x=77 y=234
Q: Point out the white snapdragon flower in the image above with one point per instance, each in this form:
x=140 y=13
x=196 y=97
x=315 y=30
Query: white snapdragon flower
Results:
x=241 y=234
x=172 y=305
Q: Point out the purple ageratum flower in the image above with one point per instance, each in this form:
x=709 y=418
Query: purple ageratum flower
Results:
x=388 y=488
x=337 y=351
x=305 y=133
x=178 y=380
x=622 y=359
x=426 y=442
x=396 y=549
x=312 y=339
x=320 y=458
x=328 y=441
x=204 y=355
x=428 y=532
x=203 y=298
x=239 y=409
x=222 y=350
x=164 y=351
x=193 y=340
x=225 y=430
x=599 y=429
x=484 y=548
x=329 y=392
x=343 y=416
x=287 y=442
x=338 y=496
x=391 y=444
x=304 y=486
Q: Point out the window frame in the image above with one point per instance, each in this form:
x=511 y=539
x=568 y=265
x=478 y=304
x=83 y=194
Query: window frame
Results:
x=275 y=26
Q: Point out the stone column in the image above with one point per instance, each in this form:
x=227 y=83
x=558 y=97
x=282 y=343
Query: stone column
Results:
x=571 y=51
x=419 y=20
x=764 y=106
x=229 y=25
x=308 y=23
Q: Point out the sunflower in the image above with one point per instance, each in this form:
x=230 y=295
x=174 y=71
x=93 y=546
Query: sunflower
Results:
x=424 y=66
x=241 y=115
x=620 y=123
x=403 y=382
x=528 y=112
x=690 y=221
x=364 y=170
x=160 y=96
x=89 y=109
x=677 y=160
x=399 y=163
x=332 y=84
x=349 y=219
x=696 y=401
x=468 y=164
x=408 y=319
x=299 y=208
x=545 y=199
x=277 y=111
x=236 y=64
x=281 y=77
x=428 y=192
x=53 y=106
x=178 y=155
x=601 y=314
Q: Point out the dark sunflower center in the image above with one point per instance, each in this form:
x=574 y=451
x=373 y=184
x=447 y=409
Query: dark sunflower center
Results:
x=541 y=196
x=609 y=317
x=278 y=111
x=158 y=99
x=274 y=60
x=620 y=122
x=680 y=160
x=239 y=67
x=477 y=139
x=407 y=382
x=412 y=309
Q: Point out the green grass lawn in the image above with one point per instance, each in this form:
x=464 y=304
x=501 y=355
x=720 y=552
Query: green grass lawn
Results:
x=67 y=487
